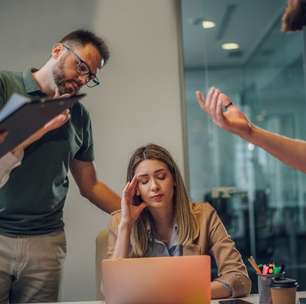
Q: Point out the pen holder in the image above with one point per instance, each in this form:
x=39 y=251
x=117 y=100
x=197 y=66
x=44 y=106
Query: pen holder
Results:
x=264 y=288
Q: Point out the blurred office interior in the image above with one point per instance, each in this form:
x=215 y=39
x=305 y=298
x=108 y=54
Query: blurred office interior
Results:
x=261 y=201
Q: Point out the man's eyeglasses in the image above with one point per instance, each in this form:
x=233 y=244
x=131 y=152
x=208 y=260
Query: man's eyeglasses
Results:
x=83 y=69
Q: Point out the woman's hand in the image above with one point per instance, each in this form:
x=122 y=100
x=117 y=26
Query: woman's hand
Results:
x=129 y=211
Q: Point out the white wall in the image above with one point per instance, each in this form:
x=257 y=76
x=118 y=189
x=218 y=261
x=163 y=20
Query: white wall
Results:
x=138 y=103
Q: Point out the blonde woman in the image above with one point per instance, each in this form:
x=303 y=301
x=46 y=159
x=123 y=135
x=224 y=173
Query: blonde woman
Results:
x=157 y=219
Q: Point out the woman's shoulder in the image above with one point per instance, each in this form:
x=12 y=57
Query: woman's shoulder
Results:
x=202 y=207
x=204 y=212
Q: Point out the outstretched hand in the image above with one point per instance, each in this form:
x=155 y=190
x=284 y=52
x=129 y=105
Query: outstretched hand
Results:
x=129 y=211
x=232 y=119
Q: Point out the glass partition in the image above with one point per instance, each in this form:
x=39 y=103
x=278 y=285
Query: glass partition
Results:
x=260 y=200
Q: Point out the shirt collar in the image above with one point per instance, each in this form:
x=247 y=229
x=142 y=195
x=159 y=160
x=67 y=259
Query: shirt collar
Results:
x=173 y=238
x=30 y=84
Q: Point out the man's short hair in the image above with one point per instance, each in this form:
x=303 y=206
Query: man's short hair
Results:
x=84 y=37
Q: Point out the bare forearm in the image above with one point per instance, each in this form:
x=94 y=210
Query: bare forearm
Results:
x=123 y=242
x=290 y=151
x=219 y=291
x=103 y=197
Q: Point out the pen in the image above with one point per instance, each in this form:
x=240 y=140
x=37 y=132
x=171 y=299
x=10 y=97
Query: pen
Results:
x=254 y=265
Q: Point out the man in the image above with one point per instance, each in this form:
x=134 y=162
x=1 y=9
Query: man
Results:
x=290 y=151
x=32 y=240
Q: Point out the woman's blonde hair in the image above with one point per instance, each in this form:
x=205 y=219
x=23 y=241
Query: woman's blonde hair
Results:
x=183 y=216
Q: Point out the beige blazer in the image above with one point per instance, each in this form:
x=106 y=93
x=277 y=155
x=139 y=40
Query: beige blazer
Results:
x=213 y=240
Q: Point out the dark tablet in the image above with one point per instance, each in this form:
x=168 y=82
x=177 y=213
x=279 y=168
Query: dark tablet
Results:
x=22 y=116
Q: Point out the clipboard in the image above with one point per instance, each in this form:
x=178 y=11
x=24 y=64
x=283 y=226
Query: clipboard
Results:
x=22 y=116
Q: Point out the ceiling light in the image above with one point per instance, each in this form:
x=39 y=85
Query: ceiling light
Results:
x=208 y=24
x=251 y=147
x=230 y=46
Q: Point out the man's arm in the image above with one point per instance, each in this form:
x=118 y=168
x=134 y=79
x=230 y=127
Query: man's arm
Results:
x=90 y=187
x=290 y=151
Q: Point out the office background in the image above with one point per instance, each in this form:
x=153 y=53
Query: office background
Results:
x=148 y=96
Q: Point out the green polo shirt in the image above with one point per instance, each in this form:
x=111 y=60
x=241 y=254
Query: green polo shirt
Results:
x=32 y=200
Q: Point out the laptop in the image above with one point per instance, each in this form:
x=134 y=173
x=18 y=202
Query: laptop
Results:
x=158 y=280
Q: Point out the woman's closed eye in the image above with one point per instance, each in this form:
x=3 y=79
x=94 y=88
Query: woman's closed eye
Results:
x=161 y=176
x=143 y=181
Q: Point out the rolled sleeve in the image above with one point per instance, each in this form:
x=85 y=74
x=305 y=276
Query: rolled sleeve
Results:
x=231 y=269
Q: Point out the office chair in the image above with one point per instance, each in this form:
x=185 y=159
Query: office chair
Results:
x=101 y=253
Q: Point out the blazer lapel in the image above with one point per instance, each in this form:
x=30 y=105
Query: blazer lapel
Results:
x=193 y=249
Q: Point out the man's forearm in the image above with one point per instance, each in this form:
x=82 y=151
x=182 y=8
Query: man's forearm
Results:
x=103 y=197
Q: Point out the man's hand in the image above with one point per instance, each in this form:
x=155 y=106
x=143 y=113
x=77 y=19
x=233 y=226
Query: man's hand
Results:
x=3 y=135
x=53 y=124
x=232 y=119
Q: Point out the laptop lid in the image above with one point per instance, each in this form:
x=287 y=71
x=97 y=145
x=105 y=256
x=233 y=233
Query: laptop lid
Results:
x=173 y=280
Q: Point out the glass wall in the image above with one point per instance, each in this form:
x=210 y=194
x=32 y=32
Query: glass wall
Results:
x=260 y=200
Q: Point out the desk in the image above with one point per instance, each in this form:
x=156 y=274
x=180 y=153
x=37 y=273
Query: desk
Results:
x=251 y=298
x=254 y=298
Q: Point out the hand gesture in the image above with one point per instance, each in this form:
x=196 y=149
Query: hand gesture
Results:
x=54 y=123
x=232 y=120
x=129 y=211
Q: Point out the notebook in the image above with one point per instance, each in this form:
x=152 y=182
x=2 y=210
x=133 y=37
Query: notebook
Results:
x=158 y=280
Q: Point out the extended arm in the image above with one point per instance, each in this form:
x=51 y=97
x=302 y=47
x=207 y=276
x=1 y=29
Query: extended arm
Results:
x=290 y=151
x=95 y=191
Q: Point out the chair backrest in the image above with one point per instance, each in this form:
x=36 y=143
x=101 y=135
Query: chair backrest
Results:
x=101 y=253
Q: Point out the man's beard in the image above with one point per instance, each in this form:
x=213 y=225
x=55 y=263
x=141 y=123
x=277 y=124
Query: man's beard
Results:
x=61 y=81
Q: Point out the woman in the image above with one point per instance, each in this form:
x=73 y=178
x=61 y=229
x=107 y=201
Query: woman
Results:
x=157 y=219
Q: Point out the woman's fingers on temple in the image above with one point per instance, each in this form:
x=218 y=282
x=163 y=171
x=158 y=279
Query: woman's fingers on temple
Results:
x=133 y=184
x=125 y=190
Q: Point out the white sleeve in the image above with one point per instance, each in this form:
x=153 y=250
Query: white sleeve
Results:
x=7 y=163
